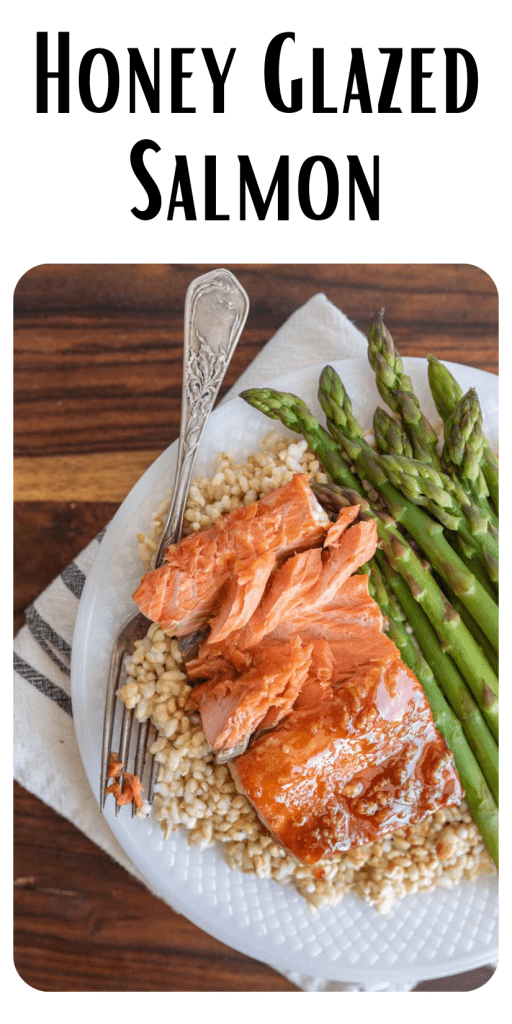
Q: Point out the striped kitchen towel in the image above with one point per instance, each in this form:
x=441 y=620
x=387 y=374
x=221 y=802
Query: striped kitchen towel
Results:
x=46 y=757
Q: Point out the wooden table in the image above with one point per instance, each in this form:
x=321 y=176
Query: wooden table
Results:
x=97 y=397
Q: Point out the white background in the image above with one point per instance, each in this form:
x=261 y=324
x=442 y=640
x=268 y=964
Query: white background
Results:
x=445 y=196
x=442 y=187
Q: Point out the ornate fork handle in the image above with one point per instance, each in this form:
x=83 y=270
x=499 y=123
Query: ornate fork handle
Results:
x=216 y=308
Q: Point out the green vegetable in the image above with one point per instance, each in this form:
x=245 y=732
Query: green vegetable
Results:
x=396 y=389
x=446 y=500
x=427 y=533
x=389 y=435
x=464 y=449
x=446 y=393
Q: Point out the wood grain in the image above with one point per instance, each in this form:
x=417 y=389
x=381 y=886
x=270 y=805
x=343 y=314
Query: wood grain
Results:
x=97 y=396
x=96 y=476
x=98 y=350
x=47 y=536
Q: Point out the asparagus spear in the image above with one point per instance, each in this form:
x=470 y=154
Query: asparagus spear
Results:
x=445 y=390
x=462 y=453
x=464 y=442
x=396 y=389
x=472 y=562
x=427 y=533
x=446 y=393
x=479 y=796
x=475 y=631
x=448 y=678
x=452 y=633
x=464 y=449
x=389 y=436
x=447 y=501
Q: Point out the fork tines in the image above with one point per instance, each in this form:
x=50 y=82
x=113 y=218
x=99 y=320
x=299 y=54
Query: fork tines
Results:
x=124 y=745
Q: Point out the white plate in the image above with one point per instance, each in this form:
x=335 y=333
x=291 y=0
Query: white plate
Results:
x=424 y=936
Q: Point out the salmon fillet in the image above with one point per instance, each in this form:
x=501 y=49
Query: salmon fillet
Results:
x=184 y=592
x=364 y=761
x=342 y=744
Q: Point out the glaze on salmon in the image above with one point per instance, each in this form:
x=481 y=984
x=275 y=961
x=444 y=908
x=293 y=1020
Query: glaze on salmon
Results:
x=363 y=762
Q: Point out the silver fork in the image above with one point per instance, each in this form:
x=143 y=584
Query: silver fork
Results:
x=216 y=308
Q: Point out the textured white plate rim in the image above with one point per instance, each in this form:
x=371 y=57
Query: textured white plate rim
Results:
x=130 y=835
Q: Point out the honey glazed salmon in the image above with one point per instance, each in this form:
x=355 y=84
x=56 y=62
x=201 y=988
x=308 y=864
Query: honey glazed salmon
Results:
x=335 y=738
x=181 y=594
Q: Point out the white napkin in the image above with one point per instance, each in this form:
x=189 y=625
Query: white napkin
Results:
x=46 y=757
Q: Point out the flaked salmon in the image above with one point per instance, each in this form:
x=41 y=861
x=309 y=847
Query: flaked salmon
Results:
x=183 y=593
x=242 y=595
x=131 y=789
x=231 y=709
x=309 y=583
x=350 y=622
x=253 y=675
